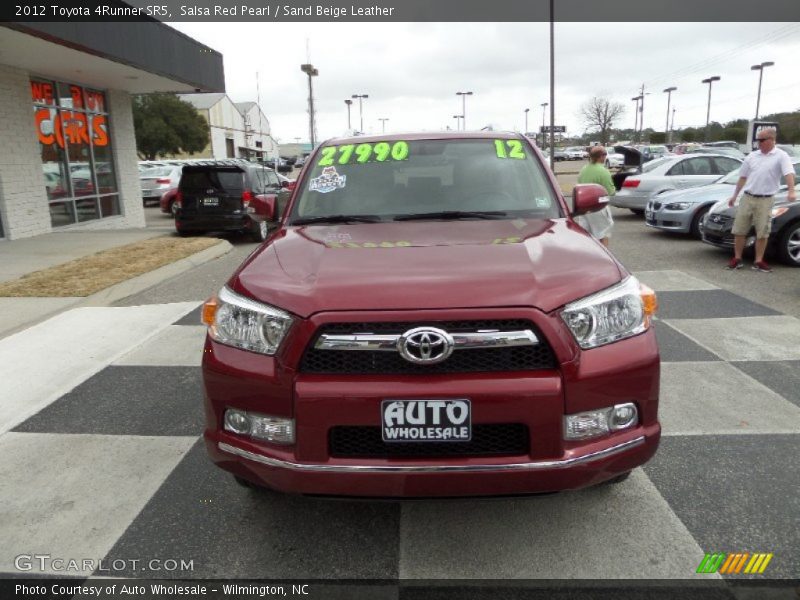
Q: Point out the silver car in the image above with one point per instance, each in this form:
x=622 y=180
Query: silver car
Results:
x=671 y=173
x=614 y=160
x=158 y=181
x=683 y=211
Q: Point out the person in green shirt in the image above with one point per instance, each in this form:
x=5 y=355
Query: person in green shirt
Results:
x=598 y=223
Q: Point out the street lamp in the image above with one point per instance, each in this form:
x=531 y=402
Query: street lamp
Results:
x=361 y=108
x=709 y=81
x=760 y=69
x=526 y=121
x=383 y=124
x=636 y=117
x=464 y=106
x=544 y=106
x=349 y=103
x=311 y=72
x=667 y=130
x=458 y=123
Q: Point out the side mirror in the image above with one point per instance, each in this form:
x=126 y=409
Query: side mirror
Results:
x=588 y=197
x=262 y=208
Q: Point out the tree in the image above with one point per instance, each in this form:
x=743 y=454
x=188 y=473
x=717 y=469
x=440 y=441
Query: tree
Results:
x=165 y=124
x=599 y=114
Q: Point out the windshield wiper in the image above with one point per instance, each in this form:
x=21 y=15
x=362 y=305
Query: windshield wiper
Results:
x=337 y=219
x=452 y=214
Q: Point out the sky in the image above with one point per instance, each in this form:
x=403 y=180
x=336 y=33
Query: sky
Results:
x=412 y=71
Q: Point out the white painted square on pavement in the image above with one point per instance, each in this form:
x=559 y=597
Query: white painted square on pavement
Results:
x=73 y=496
x=563 y=536
x=673 y=281
x=745 y=338
x=175 y=346
x=714 y=398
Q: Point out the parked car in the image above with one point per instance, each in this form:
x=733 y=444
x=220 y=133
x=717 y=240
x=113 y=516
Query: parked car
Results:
x=167 y=202
x=560 y=155
x=683 y=211
x=216 y=196
x=576 y=153
x=393 y=335
x=671 y=173
x=653 y=152
x=286 y=182
x=726 y=150
x=157 y=182
x=686 y=148
x=784 y=237
x=614 y=159
x=792 y=151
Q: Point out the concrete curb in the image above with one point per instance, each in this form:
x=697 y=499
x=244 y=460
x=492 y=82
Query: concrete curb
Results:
x=124 y=289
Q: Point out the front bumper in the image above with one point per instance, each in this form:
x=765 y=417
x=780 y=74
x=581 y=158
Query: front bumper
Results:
x=625 y=371
x=625 y=199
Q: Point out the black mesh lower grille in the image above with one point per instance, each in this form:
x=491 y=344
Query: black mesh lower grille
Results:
x=476 y=360
x=507 y=439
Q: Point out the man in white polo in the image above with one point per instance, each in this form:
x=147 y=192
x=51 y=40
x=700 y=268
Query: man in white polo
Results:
x=760 y=175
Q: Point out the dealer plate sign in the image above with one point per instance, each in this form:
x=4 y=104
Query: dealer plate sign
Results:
x=426 y=420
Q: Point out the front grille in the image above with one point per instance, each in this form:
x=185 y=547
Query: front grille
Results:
x=519 y=358
x=506 y=439
x=721 y=219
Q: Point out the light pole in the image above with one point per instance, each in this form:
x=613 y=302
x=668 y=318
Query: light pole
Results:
x=667 y=130
x=526 y=121
x=709 y=81
x=544 y=106
x=636 y=117
x=361 y=108
x=464 y=106
x=349 y=103
x=760 y=69
x=458 y=123
x=309 y=70
x=383 y=124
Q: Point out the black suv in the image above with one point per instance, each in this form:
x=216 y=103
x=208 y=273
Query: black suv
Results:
x=215 y=196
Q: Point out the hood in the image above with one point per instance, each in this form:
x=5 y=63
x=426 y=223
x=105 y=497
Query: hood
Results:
x=427 y=265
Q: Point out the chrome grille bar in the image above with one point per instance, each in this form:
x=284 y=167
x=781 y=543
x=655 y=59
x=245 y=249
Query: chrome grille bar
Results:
x=462 y=341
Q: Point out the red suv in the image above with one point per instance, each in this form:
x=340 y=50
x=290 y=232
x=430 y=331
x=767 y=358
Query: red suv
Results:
x=428 y=320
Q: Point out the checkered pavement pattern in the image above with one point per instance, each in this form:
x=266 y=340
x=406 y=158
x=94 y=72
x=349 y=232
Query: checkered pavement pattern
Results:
x=105 y=460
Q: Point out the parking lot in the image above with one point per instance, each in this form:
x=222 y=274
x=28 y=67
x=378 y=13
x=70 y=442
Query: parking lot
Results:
x=114 y=467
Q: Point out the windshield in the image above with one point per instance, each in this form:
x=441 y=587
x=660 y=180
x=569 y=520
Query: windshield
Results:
x=448 y=178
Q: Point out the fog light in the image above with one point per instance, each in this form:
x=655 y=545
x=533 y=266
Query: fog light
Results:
x=272 y=429
x=623 y=416
x=237 y=421
x=277 y=430
x=586 y=425
x=595 y=423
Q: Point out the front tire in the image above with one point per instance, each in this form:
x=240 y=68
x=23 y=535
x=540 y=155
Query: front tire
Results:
x=789 y=245
x=696 y=229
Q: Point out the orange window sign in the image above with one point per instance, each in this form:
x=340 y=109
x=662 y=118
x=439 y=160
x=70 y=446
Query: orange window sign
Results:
x=74 y=127
x=42 y=92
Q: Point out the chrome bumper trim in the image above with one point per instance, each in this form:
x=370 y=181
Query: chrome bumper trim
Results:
x=389 y=342
x=529 y=466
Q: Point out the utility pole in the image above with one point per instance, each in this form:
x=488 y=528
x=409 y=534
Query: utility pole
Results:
x=361 y=109
x=709 y=81
x=383 y=124
x=309 y=70
x=636 y=118
x=348 y=102
x=760 y=69
x=464 y=106
x=668 y=131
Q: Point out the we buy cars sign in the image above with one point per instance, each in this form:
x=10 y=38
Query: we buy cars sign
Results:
x=753 y=129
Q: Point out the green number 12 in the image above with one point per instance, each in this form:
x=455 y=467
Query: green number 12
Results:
x=514 y=149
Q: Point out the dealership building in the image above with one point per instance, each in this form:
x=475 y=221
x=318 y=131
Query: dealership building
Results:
x=68 y=153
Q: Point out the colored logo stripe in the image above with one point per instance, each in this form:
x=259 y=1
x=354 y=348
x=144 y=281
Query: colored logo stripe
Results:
x=733 y=563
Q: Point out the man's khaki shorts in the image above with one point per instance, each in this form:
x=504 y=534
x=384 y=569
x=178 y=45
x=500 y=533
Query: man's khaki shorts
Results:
x=756 y=212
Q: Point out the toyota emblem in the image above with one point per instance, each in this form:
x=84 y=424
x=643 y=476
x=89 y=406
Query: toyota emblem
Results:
x=425 y=345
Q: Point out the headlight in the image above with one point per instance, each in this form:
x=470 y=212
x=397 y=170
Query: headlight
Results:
x=779 y=210
x=618 y=312
x=243 y=323
x=678 y=205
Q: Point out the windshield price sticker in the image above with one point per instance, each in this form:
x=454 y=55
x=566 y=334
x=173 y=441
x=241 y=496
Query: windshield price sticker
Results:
x=363 y=153
x=328 y=181
x=334 y=244
x=426 y=421
x=509 y=149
